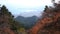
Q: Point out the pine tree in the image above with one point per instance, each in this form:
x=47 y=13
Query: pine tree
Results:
x=4 y=10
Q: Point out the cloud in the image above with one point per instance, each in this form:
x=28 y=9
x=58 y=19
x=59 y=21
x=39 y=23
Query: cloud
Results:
x=20 y=6
x=32 y=13
x=26 y=3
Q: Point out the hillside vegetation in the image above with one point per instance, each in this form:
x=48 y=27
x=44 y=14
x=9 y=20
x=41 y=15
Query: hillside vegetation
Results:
x=50 y=21
x=7 y=23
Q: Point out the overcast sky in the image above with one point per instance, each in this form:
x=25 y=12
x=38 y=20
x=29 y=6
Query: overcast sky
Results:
x=25 y=7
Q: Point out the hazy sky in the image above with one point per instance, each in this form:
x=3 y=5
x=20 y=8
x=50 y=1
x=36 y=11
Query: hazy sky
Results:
x=25 y=7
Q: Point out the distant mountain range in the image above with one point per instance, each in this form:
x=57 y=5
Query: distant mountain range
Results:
x=27 y=21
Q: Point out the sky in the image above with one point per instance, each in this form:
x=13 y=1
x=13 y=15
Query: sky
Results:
x=25 y=8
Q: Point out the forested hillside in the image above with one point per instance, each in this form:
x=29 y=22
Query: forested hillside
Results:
x=7 y=23
x=50 y=21
x=27 y=22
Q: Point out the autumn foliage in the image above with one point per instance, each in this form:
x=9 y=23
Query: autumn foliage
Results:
x=8 y=25
x=49 y=23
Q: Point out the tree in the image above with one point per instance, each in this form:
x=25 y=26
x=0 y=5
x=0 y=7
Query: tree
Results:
x=4 y=9
x=46 y=7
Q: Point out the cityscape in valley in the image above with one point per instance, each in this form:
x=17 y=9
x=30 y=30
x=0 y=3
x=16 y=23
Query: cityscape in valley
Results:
x=47 y=23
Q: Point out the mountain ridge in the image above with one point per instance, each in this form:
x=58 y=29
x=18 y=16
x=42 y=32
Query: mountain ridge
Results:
x=27 y=21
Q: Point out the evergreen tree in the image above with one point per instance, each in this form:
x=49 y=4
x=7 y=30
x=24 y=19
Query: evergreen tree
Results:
x=46 y=7
x=4 y=10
